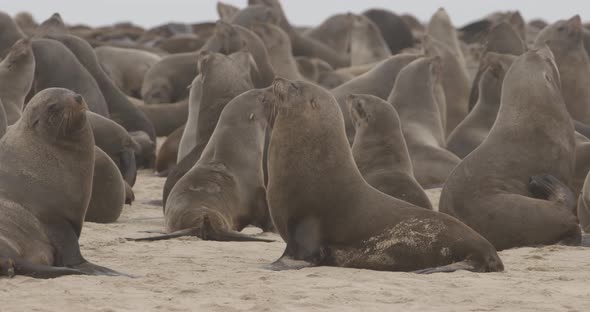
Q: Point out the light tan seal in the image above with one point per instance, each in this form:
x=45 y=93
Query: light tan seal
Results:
x=414 y=98
x=514 y=188
x=39 y=231
x=327 y=213
x=380 y=151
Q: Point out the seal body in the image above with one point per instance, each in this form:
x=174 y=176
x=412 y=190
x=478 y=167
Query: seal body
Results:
x=108 y=190
x=514 y=188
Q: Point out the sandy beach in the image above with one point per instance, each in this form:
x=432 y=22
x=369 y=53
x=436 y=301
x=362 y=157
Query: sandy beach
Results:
x=188 y=274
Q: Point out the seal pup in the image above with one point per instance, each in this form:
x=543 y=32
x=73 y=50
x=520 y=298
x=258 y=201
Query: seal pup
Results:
x=9 y=34
x=394 y=30
x=414 y=98
x=514 y=188
x=17 y=71
x=366 y=42
x=380 y=151
x=57 y=66
x=223 y=79
x=475 y=127
x=501 y=39
x=564 y=38
x=328 y=214
x=108 y=190
x=224 y=191
x=378 y=82
x=116 y=142
x=168 y=153
x=126 y=67
x=40 y=230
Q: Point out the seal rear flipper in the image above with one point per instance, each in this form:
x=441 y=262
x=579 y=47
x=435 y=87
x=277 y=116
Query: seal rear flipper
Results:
x=548 y=187
x=181 y=233
x=462 y=265
x=128 y=166
x=43 y=271
x=93 y=269
x=288 y=263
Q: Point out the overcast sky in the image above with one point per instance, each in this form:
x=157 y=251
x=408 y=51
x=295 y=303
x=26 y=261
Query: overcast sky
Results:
x=300 y=12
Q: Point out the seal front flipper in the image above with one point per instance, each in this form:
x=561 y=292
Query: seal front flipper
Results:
x=288 y=263
x=548 y=187
x=462 y=265
x=10 y=268
x=93 y=269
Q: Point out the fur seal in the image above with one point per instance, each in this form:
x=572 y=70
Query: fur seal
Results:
x=378 y=82
x=501 y=39
x=145 y=149
x=223 y=79
x=188 y=140
x=394 y=30
x=120 y=108
x=126 y=67
x=112 y=139
x=350 y=223
x=475 y=127
x=226 y=11
x=441 y=28
x=168 y=153
x=181 y=43
x=39 y=230
x=513 y=189
x=57 y=66
x=108 y=190
x=564 y=38
x=166 y=80
x=278 y=44
x=583 y=209
x=366 y=43
x=224 y=191
x=9 y=34
x=456 y=89
x=380 y=151
x=17 y=71
x=335 y=31
x=414 y=98
x=54 y=25
x=165 y=117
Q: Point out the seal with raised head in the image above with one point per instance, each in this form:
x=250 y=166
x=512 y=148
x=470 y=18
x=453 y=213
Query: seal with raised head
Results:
x=9 y=33
x=223 y=79
x=475 y=127
x=380 y=151
x=514 y=188
x=564 y=38
x=329 y=215
x=414 y=98
x=40 y=227
x=378 y=82
x=366 y=42
x=394 y=30
x=17 y=71
x=278 y=44
x=57 y=66
x=108 y=190
x=224 y=191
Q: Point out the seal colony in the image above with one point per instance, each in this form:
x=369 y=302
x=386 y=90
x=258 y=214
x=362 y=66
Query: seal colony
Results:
x=331 y=136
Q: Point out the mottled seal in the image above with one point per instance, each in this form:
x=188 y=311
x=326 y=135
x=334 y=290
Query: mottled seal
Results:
x=514 y=188
x=224 y=191
x=378 y=82
x=108 y=190
x=564 y=38
x=40 y=230
x=223 y=79
x=57 y=66
x=380 y=151
x=414 y=98
x=475 y=127
x=17 y=71
x=327 y=213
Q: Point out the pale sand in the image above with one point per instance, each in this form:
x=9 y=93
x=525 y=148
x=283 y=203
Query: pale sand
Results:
x=192 y=275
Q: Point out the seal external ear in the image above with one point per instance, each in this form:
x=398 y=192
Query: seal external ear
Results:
x=550 y=188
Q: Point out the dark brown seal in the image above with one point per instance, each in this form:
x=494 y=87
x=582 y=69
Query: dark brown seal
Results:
x=329 y=215
x=40 y=229
x=514 y=188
